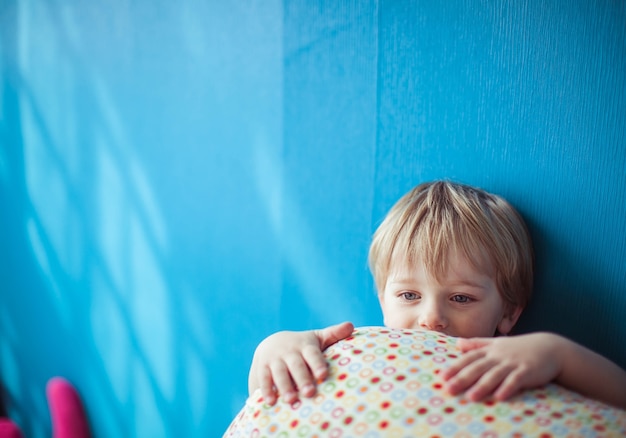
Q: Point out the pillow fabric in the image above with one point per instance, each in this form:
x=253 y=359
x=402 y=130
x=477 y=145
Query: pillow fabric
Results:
x=383 y=383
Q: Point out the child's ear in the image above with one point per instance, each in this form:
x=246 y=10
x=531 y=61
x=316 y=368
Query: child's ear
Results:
x=509 y=319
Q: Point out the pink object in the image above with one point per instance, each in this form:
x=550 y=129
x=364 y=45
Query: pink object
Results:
x=9 y=429
x=66 y=410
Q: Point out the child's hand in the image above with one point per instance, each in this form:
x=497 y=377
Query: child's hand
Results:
x=292 y=362
x=501 y=367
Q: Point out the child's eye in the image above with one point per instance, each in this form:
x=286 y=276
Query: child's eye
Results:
x=462 y=299
x=410 y=296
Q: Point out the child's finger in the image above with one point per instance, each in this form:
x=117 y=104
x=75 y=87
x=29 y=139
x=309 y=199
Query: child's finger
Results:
x=301 y=375
x=266 y=384
x=469 y=375
x=283 y=382
x=460 y=363
x=488 y=383
x=467 y=344
x=316 y=363
x=513 y=383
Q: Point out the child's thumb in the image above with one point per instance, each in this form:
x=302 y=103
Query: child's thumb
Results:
x=465 y=344
x=330 y=335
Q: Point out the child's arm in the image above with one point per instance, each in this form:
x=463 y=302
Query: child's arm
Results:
x=503 y=366
x=292 y=362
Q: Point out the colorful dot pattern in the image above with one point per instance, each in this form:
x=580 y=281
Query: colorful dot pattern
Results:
x=384 y=383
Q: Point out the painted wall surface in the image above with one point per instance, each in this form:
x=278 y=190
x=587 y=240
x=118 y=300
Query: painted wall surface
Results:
x=180 y=179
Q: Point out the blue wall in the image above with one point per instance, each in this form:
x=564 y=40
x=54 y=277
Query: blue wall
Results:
x=180 y=179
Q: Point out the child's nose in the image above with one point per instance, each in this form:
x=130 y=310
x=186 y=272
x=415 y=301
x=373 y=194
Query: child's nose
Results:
x=433 y=317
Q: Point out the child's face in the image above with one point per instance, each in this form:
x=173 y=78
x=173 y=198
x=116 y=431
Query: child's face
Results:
x=464 y=302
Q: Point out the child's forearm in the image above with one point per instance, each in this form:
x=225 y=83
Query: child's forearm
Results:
x=591 y=374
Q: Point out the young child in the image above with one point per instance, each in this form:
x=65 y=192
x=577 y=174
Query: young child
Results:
x=457 y=260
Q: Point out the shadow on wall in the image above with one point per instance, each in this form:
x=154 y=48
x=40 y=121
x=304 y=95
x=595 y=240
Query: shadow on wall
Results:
x=88 y=224
x=4 y=400
x=574 y=295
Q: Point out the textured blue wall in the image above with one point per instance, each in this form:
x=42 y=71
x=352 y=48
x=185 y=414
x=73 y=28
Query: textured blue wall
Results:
x=180 y=179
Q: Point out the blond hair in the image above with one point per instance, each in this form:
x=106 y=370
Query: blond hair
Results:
x=436 y=218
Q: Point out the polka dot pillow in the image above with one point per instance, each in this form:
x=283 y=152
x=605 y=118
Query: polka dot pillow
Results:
x=383 y=383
